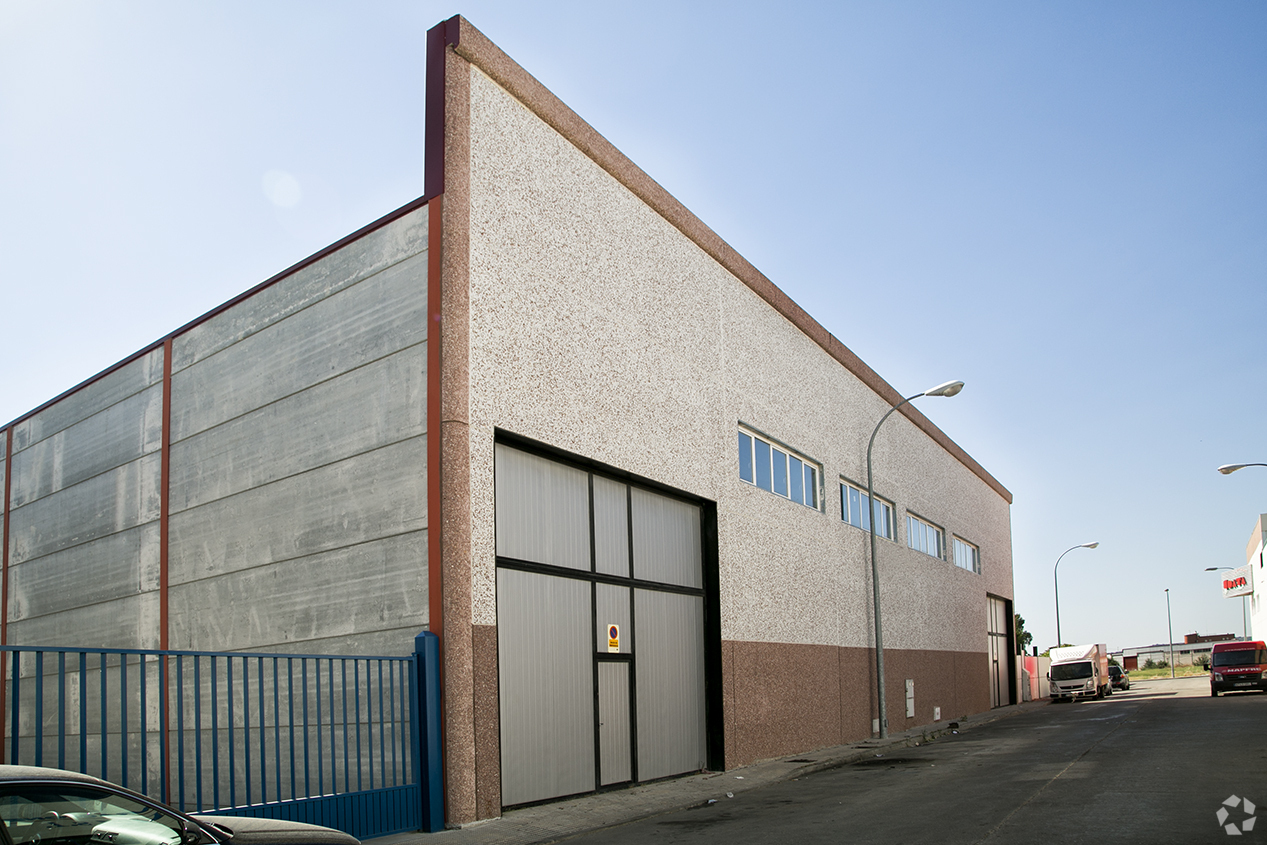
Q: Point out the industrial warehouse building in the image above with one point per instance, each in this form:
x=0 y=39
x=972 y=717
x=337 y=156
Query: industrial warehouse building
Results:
x=547 y=414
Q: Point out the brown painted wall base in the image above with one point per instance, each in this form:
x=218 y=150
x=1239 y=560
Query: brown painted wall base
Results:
x=488 y=771
x=782 y=698
x=779 y=699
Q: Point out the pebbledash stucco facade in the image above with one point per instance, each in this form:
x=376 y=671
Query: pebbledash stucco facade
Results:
x=335 y=440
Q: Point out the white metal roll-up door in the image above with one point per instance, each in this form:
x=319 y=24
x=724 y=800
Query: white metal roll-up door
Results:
x=581 y=555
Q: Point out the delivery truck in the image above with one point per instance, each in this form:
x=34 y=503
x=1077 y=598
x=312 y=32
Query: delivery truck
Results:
x=1080 y=671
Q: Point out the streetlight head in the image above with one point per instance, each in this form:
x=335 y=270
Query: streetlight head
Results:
x=1089 y=545
x=950 y=388
x=1228 y=469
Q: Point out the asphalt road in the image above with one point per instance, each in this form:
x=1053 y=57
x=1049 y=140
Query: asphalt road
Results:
x=1151 y=765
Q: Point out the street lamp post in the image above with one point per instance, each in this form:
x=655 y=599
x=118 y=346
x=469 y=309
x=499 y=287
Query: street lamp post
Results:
x=1228 y=469
x=1244 y=607
x=1055 y=574
x=949 y=388
x=1170 y=635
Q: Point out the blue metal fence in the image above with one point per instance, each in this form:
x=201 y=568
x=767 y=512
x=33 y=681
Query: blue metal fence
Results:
x=327 y=739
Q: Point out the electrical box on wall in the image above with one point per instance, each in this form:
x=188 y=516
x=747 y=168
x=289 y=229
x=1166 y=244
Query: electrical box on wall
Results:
x=910 y=698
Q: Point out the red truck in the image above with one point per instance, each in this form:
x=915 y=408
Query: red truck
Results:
x=1238 y=666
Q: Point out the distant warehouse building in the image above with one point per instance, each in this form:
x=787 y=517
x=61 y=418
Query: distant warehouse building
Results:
x=548 y=414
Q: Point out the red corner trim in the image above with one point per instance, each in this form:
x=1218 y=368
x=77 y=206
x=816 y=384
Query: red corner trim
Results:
x=164 y=494
x=4 y=567
x=439 y=38
x=435 y=584
x=4 y=580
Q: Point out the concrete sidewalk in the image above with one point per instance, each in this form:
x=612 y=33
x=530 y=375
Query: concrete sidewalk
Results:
x=572 y=817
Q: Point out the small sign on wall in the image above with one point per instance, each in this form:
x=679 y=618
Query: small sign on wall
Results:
x=613 y=639
x=1238 y=582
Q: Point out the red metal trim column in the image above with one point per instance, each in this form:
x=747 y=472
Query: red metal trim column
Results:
x=165 y=451
x=4 y=578
x=165 y=463
x=4 y=584
x=435 y=584
x=439 y=38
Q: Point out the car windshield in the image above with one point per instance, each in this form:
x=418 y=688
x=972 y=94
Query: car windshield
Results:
x=75 y=814
x=1115 y=671
x=1239 y=657
x=1071 y=671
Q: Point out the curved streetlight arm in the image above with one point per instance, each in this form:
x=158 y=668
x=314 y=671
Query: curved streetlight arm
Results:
x=1228 y=469
x=949 y=388
x=876 y=431
x=1055 y=574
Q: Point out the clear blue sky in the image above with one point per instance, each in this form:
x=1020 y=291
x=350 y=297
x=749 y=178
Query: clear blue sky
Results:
x=1062 y=204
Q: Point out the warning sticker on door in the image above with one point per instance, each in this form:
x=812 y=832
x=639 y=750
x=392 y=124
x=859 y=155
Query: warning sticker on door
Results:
x=613 y=638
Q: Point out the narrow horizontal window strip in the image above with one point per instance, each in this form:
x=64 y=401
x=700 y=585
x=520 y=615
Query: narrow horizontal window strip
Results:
x=777 y=470
x=854 y=510
x=925 y=537
x=967 y=556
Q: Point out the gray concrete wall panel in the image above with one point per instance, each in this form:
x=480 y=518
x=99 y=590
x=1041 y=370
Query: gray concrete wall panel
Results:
x=105 y=504
x=343 y=593
x=299 y=421
x=369 y=497
x=359 y=324
x=91 y=399
x=365 y=257
x=297 y=487
x=130 y=622
x=123 y=564
x=117 y=435
x=366 y=409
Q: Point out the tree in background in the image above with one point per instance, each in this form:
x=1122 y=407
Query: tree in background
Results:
x=1023 y=637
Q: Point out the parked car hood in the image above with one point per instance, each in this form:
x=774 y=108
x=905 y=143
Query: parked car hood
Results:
x=249 y=831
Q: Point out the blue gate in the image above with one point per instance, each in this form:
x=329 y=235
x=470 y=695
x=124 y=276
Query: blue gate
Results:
x=350 y=742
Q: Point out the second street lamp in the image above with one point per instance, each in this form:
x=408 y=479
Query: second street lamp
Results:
x=1055 y=574
x=949 y=388
x=1170 y=635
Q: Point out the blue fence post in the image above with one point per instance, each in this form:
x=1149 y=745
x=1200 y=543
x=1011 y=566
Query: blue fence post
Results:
x=427 y=653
